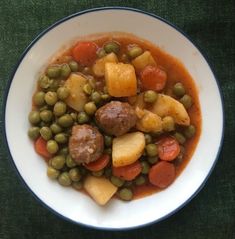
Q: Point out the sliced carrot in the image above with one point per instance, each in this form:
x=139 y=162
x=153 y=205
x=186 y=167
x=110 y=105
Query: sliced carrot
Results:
x=128 y=172
x=85 y=53
x=162 y=174
x=153 y=78
x=99 y=164
x=168 y=148
x=41 y=148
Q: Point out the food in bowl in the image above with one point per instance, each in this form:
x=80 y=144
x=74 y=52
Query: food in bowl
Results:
x=114 y=115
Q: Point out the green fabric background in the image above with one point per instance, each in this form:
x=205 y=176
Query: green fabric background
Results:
x=211 y=214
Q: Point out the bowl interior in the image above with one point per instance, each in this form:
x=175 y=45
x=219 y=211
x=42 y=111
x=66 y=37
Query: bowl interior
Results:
x=77 y=206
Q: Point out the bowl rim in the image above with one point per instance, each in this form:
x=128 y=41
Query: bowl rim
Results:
x=10 y=79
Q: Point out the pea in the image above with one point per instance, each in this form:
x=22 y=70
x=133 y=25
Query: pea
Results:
x=34 y=117
x=54 y=85
x=148 y=138
x=87 y=88
x=168 y=123
x=73 y=66
x=153 y=160
x=117 y=181
x=46 y=116
x=65 y=120
x=77 y=185
x=151 y=150
x=64 y=179
x=105 y=90
x=180 y=156
x=55 y=128
x=125 y=194
x=101 y=53
x=65 y=70
x=70 y=162
x=51 y=97
x=82 y=118
x=87 y=70
x=64 y=151
x=44 y=82
x=33 y=132
x=75 y=174
x=74 y=116
x=62 y=92
x=58 y=162
x=150 y=96
x=180 y=137
x=140 y=180
x=179 y=89
x=105 y=97
x=53 y=71
x=125 y=58
x=112 y=47
x=190 y=131
x=52 y=146
x=90 y=108
x=96 y=97
x=145 y=167
x=108 y=140
x=38 y=98
x=108 y=151
x=59 y=108
x=186 y=100
x=52 y=172
x=108 y=172
x=98 y=173
x=61 y=138
x=135 y=51
x=46 y=133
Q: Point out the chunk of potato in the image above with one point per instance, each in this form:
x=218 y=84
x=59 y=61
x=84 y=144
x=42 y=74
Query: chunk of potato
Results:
x=100 y=189
x=127 y=148
x=99 y=66
x=77 y=98
x=143 y=60
x=120 y=79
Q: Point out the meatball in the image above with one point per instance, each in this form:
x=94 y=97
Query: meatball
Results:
x=116 y=118
x=86 y=143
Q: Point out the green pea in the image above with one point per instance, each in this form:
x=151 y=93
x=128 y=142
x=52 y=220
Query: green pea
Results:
x=105 y=90
x=65 y=120
x=64 y=151
x=112 y=47
x=34 y=117
x=125 y=194
x=52 y=172
x=180 y=156
x=42 y=124
x=140 y=180
x=75 y=174
x=55 y=128
x=44 y=82
x=62 y=92
x=65 y=70
x=87 y=88
x=168 y=123
x=61 y=138
x=107 y=172
x=101 y=53
x=153 y=160
x=135 y=51
x=179 y=137
x=74 y=116
x=145 y=167
x=38 y=98
x=64 y=179
x=70 y=162
x=90 y=108
x=33 y=132
x=59 y=108
x=98 y=173
x=53 y=71
x=117 y=181
x=46 y=133
x=52 y=146
x=73 y=66
x=186 y=100
x=54 y=85
x=178 y=89
x=87 y=70
x=108 y=140
x=108 y=151
x=77 y=185
x=105 y=97
x=46 y=116
x=190 y=131
x=82 y=118
x=92 y=81
x=44 y=107
x=150 y=96
x=58 y=162
x=96 y=97
x=151 y=150
x=51 y=97
x=148 y=138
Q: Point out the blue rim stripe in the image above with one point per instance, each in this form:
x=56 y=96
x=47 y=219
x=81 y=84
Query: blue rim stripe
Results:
x=13 y=74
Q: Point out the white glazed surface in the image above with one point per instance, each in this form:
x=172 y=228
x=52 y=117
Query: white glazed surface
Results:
x=77 y=206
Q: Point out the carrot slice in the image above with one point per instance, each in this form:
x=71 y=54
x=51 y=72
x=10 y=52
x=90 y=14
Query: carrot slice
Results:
x=99 y=164
x=162 y=174
x=41 y=148
x=128 y=172
x=153 y=78
x=85 y=53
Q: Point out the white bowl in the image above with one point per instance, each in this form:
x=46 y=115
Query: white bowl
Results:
x=76 y=206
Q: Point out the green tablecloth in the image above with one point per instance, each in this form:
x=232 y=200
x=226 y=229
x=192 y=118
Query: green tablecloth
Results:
x=211 y=214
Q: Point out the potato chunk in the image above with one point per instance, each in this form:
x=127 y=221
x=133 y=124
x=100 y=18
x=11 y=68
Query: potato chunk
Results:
x=99 y=66
x=100 y=189
x=77 y=98
x=127 y=148
x=120 y=79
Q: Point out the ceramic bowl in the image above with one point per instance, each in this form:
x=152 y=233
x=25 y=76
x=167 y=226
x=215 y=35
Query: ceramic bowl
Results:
x=78 y=207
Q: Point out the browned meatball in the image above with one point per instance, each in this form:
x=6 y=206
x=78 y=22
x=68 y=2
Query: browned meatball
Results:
x=86 y=143
x=116 y=118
